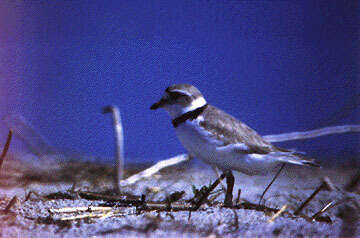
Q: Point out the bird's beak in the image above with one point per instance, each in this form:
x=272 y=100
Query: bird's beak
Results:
x=158 y=104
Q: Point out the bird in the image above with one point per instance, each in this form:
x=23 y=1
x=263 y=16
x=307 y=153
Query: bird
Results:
x=221 y=140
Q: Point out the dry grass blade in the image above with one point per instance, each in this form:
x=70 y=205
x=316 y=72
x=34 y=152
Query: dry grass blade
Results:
x=155 y=168
x=313 y=133
x=6 y=148
x=83 y=216
x=152 y=206
x=324 y=209
x=218 y=174
x=109 y=198
x=272 y=181
x=11 y=204
x=208 y=191
x=325 y=185
x=78 y=209
x=276 y=215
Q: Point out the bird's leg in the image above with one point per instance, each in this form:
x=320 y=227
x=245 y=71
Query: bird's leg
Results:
x=229 y=190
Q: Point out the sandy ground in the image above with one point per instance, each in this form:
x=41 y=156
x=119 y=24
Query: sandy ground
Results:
x=55 y=188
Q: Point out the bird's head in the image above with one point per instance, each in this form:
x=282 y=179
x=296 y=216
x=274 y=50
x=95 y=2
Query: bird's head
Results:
x=179 y=99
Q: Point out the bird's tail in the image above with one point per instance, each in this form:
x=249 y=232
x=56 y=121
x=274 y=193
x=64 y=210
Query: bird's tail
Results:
x=294 y=157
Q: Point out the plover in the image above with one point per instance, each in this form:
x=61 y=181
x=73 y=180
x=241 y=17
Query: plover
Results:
x=219 y=139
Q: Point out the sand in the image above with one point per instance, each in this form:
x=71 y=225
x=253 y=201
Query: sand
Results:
x=32 y=218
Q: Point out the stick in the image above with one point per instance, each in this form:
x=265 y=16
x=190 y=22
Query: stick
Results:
x=79 y=209
x=208 y=191
x=11 y=204
x=108 y=214
x=155 y=168
x=272 y=181
x=322 y=210
x=331 y=205
x=325 y=185
x=109 y=198
x=6 y=148
x=83 y=216
x=313 y=133
x=276 y=215
x=150 y=206
x=119 y=145
x=216 y=170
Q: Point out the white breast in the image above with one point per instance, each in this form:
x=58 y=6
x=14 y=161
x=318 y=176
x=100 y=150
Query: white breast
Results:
x=197 y=140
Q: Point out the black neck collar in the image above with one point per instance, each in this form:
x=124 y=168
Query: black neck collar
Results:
x=189 y=115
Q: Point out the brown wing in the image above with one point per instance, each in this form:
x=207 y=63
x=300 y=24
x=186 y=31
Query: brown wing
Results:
x=231 y=131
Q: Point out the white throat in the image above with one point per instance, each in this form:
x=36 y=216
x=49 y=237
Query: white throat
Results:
x=176 y=110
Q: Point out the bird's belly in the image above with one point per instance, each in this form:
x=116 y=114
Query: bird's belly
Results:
x=202 y=145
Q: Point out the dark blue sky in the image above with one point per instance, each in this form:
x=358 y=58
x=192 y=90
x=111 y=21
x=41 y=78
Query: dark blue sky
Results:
x=278 y=66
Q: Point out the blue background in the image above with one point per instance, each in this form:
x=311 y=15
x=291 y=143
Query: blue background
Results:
x=279 y=66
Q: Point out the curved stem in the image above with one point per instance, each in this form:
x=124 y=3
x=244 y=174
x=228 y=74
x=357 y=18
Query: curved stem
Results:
x=119 y=144
x=313 y=133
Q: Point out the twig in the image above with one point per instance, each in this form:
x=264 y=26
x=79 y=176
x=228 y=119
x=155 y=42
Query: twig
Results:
x=215 y=195
x=276 y=215
x=119 y=144
x=272 y=181
x=142 y=205
x=208 y=191
x=313 y=133
x=216 y=170
x=11 y=204
x=326 y=184
x=175 y=196
x=324 y=209
x=109 y=198
x=265 y=209
x=150 y=206
x=83 y=216
x=108 y=214
x=79 y=209
x=331 y=205
x=6 y=148
x=154 y=169
x=27 y=197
